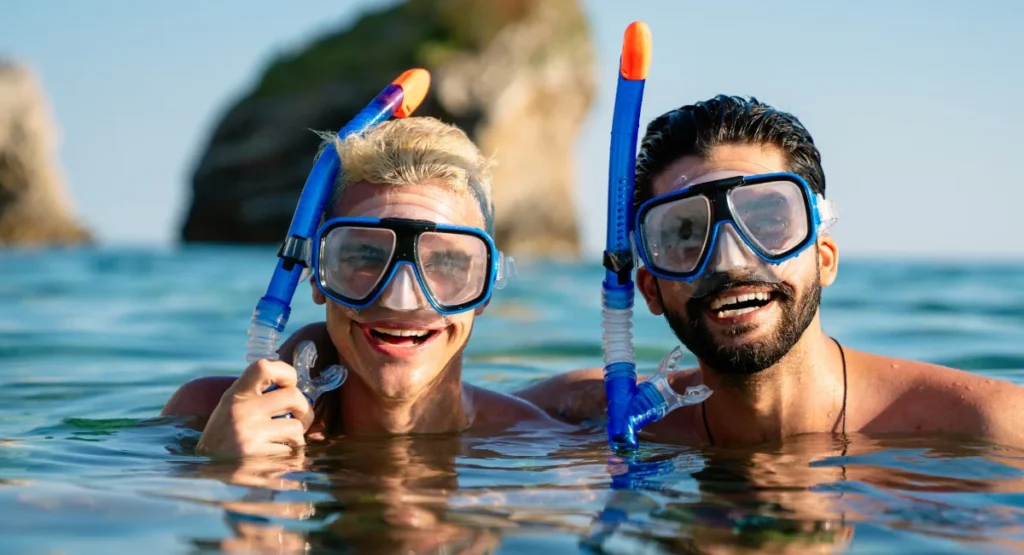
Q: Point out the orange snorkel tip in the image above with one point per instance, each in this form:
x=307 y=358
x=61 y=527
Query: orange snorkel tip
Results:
x=636 y=52
x=415 y=83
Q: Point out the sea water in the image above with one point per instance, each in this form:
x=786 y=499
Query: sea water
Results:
x=94 y=341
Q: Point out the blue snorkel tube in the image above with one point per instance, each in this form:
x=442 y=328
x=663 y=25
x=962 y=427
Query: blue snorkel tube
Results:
x=617 y=288
x=630 y=407
x=399 y=99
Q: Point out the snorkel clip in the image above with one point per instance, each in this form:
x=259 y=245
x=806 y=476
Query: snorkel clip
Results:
x=620 y=263
x=294 y=251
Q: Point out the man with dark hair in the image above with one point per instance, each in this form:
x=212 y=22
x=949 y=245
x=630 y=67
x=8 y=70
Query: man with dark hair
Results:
x=732 y=233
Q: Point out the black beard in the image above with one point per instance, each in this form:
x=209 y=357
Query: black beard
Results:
x=750 y=357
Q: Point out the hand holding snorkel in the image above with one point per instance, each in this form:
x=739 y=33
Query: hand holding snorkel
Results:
x=630 y=407
x=399 y=99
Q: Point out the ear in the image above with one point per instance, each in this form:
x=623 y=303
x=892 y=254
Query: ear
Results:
x=318 y=296
x=649 y=289
x=828 y=257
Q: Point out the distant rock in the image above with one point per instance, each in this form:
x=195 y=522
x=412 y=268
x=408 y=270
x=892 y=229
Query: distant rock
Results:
x=517 y=75
x=35 y=208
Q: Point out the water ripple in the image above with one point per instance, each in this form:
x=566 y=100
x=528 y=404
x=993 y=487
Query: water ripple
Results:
x=94 y=341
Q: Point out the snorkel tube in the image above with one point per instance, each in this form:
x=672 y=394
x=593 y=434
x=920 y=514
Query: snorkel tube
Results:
x=630 y=407
x=617 y=288
x=399 y=99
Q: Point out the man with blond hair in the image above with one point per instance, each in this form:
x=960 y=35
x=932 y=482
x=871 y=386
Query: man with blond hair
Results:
x=403 y=263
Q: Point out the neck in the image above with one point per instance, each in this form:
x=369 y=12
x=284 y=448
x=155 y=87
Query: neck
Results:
x=800 y=394
x=440 y=407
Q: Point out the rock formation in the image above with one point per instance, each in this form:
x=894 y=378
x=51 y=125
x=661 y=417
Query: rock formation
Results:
x=517 y=75
x=35 y=208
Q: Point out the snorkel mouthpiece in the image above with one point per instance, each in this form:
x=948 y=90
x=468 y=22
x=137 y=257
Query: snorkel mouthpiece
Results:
x=399 y=99
x=329 y=378
x=655 y=398
x=630 y=407
x=312 y=388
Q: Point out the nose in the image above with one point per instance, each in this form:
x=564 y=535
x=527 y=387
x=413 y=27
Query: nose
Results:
x=730 y=252
x=403 y=293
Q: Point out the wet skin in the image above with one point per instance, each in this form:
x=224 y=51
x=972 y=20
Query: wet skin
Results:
x=803 y=392
x=396 y=384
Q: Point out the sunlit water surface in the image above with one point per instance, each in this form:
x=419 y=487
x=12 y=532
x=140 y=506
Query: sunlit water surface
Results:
x=92 y=343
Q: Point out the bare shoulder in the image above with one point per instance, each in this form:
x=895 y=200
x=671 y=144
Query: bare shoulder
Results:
x=492 y=407
x=572 y=396
x=198 y=397
x=908 y=375
x=905 y=395
x=201 y=396
x=579 y=395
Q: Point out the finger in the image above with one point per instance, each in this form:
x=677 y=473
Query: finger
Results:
x=287 y=431
x=287 y=400
x=266 y=448
x=261 y=374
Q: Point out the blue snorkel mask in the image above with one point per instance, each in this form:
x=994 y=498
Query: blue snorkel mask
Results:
x=407 y=265
x=738 y=228
x=399 y=99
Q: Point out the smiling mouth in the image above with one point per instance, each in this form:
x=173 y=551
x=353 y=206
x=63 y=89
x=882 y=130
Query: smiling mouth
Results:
x=402 y=338
x=732 y=306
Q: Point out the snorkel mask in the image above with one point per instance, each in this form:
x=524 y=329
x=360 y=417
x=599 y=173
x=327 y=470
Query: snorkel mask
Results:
x=736 y=230
x=407 y=265
x=399 y=99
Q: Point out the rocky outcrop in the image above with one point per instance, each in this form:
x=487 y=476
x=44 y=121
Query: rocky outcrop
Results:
x=35 y=208
x=517 y=75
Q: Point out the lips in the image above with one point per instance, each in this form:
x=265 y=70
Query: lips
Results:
x=739 y=305
x=399 y=337
x=398 y=340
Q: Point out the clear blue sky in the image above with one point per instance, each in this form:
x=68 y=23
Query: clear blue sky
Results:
x=915 y=104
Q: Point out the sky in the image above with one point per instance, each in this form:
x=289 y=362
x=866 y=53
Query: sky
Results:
x=915 y=105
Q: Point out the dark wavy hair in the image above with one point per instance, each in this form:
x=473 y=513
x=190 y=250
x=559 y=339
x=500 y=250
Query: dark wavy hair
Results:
x=698 y=128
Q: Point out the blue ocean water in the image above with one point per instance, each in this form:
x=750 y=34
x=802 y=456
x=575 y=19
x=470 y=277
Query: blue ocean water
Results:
x=94 y=341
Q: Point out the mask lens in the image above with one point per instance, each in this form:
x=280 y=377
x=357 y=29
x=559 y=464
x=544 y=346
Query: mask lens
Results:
x=677 y=234
x=772 y=215
x=454 y=266
x=354 y=259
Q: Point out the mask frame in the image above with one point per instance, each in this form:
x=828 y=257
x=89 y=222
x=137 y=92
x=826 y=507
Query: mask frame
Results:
x=407 y=234
x=820 y=213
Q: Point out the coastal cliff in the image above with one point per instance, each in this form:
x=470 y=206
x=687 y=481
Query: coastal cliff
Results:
x=35 y=207
x=517 y=75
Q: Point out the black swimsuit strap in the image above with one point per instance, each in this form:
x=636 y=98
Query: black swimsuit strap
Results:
x=842 y=354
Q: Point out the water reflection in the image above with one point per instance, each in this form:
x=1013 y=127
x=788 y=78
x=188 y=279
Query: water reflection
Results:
x=450 y=494
x=810 y=494
x=431 y=494
x=722 y=500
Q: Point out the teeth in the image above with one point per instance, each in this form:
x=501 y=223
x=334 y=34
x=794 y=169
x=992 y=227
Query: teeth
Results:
x=736 y=312
x=401 y=333
x=724 y=301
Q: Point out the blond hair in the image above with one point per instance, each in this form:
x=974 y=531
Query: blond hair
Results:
x=415 y=151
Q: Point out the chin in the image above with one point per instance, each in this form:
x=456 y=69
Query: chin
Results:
x=399 y=392
x=748 y=332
